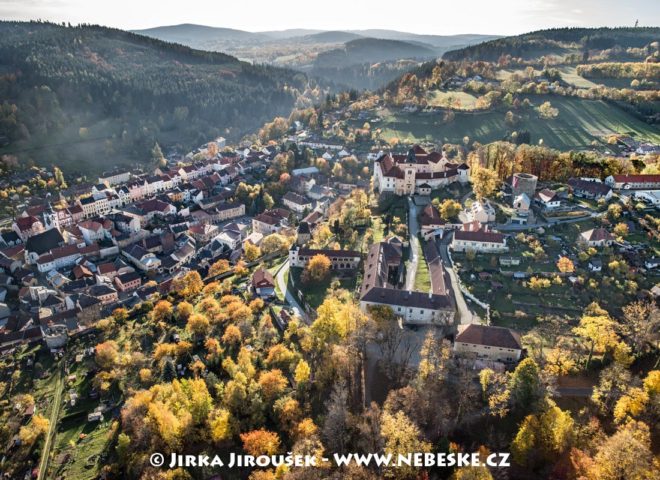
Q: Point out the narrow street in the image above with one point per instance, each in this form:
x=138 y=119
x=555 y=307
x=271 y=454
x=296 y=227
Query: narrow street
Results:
x=413 y=231
x=281 y=279
x=466 y=316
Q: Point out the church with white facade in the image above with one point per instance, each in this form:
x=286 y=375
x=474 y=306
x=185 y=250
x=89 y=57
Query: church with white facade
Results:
x=417 y=172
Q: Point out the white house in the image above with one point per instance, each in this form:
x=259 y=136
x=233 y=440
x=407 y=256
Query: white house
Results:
x=480 y=211
x=296 y=202
x=596 y=237
x=142 y=259
x=479 y=241
x=547 y=199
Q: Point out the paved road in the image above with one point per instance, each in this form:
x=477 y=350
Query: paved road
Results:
x=52 y=425
x=281 y=279
x=413 y=230
x=466 y=316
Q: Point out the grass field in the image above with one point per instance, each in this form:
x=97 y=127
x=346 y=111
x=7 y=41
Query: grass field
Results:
x=456 y=99
x=569 y=75
x=422 y=276
x=315 y=292
x=579 y=123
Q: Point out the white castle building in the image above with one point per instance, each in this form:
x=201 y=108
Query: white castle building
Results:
x=416 y=172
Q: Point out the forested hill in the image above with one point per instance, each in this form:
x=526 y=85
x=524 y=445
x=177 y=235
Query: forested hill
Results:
x=89 y=94
x=559 y=42
x=364 y=50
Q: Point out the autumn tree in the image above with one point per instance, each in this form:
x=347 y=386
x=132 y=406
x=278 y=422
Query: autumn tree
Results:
x=274 y=243
x=640 y=326
x=449 y=209
x=335 y=427
x=525 y=384
x=198 y=325
x=31 y=432
x=484 y=182
x=251 y=252
x=626 y=455
x=219 y=267
x=597 y=330
x=184 y=310
x=188 y=285
x=542 y=437
x=547 y=111
x=272 y=383
x=157 y=155
x=221 y=425
x=107 y=354
x=317 y=269
x=302 y=372
x=402 y=436
x=621 y=229
x=162 y=311
x=565 y=265
x=260 y=442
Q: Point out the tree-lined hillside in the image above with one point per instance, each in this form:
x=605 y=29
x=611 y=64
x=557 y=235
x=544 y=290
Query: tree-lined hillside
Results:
x=620 y=42
x=83 y=92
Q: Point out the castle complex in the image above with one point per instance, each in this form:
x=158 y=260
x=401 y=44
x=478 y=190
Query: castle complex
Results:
x=416 y=172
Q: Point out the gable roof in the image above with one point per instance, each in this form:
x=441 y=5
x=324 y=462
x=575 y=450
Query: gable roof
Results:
x=262 y=278
x=597 y=235
x=490 y=336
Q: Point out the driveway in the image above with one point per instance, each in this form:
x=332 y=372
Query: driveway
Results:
x=466 y=316
x=281 y=278
x=413 y=231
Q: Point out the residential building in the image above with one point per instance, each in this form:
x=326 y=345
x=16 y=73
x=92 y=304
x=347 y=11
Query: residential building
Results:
x=263 y=283
x=227 y=211
x=590 y=188
x=547 y=199
x=270 y=221
x=480 y=211
x=509 y=261
x=203 y=232
x=296 y=202
x=230 y=238
x=27 y=226
x=596 y=237
x=652 y=197
x=497 y=344
x=105 y=293
x=115 y=177
x=141 y=258
x=128 y=281
x=481 y=241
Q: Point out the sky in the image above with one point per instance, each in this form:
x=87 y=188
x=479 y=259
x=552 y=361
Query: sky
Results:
x=438 y=17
